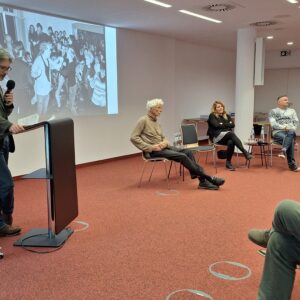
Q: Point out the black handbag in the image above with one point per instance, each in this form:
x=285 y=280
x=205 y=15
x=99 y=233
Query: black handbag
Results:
x=222 y=154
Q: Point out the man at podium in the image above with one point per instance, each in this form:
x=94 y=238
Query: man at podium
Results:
x=6 y=145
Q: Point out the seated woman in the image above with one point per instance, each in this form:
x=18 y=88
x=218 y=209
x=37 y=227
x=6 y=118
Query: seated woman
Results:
x=220 y=127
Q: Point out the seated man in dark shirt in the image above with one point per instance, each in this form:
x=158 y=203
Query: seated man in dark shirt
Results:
x=148 y=137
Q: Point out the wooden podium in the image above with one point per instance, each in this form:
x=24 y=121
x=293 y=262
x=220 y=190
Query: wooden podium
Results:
x=60 y=175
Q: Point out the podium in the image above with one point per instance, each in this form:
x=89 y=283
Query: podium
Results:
x=60 y=175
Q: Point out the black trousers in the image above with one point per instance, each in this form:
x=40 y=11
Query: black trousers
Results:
x=231 y=140
x=186 y=158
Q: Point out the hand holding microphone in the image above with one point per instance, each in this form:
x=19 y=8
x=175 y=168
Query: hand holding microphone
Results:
x=8 y=95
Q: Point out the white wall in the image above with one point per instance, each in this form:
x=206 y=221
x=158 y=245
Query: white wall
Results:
x=282 y=77
x=188 y=77
x=278 y=82
x=202 y=76
x=275 y=61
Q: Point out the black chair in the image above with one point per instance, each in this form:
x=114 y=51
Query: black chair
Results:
x=190 y=141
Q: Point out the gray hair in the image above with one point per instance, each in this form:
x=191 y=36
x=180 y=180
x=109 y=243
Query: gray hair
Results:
x=5 y=55
x=154 y=102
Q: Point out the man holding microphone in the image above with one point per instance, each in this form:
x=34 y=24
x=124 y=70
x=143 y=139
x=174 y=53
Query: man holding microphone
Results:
x=6 y=145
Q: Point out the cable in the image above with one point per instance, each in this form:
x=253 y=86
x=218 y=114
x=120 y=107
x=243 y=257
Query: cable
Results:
x=39 y=252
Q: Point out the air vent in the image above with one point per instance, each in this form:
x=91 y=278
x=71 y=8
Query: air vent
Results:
x=218 y=7
x=264 y=23
x=282 y=16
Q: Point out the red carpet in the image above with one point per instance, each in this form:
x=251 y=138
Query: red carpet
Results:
x=142 y=244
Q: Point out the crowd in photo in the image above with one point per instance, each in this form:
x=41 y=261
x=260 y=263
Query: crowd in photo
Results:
x=59 y=72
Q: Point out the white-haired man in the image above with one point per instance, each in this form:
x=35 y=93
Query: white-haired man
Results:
x=148 y=137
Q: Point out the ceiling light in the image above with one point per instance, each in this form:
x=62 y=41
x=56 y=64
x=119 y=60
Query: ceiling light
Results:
x=159 y=3
x=290 y=43
x=292 y=1
x=270 y=37
x=199 y=16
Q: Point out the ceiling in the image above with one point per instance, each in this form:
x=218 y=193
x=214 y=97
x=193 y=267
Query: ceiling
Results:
x=143 y=16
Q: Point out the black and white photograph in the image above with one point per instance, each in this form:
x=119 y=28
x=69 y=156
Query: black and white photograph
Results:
x=59 y=65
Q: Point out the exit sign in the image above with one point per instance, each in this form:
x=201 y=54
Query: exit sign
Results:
x=285 y=52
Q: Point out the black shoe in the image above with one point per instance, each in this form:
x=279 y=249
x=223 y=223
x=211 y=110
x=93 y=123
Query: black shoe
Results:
x=259 y=237
x=8 y=230
x=229 y=166
x=294 y=168
x=248 y=156
x=206 y=185
x=217 y=181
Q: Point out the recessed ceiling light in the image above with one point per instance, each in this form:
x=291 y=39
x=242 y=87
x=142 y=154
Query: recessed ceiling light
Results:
x=290 y=43
x=292 y=1
x=190 y=13
x=270 y=37
x=159 y=3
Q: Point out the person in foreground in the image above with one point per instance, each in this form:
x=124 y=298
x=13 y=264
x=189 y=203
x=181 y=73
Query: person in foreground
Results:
x=283 y=251
x=284 y=122
x=220 y=127
x=148 y=137
x=6 y=144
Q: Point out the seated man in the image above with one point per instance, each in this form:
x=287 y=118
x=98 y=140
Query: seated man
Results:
x=148 y=137
x=284 y=122
x=283 y=252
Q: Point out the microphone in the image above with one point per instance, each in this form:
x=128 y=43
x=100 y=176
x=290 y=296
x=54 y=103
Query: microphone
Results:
x=10 y=85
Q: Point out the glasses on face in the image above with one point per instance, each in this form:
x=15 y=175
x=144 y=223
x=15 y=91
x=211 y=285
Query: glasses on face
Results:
x=5 y=69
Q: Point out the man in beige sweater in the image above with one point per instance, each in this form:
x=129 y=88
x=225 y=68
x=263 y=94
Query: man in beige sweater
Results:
x=148 y=137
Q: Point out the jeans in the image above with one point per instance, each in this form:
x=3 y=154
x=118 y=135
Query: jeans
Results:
x=6 y=183
x=186 y=158
x=283 y=253
x=287 y=140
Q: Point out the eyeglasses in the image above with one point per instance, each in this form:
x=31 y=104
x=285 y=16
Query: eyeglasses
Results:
x=5 y=69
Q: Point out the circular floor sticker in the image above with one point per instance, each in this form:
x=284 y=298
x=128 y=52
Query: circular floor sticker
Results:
x=222 y=269
x=167 y=193
x=183 y=294
x=83 y=226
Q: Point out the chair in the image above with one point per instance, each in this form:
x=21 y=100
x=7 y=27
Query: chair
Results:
x=190 y=141
x=148 y=159
x=278 y=146
x=275 y=145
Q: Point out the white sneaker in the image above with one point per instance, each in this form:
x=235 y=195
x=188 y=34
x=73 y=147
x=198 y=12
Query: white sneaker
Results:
x=282 y=155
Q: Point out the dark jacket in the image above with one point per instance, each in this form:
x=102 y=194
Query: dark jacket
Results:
x=5 y=111
x=218 y=124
